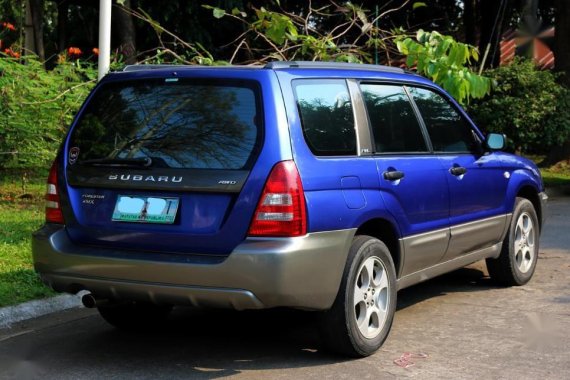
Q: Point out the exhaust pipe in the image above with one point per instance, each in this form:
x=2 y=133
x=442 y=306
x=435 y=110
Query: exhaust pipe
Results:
x=90 y=302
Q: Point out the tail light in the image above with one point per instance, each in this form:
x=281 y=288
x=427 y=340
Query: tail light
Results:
x=53 y=204
x=281 y=209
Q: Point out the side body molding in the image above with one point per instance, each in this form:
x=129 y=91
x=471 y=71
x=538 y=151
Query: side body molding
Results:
x=457 y=246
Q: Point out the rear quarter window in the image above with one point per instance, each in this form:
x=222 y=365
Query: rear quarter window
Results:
x=178 y=123
x=326 y=116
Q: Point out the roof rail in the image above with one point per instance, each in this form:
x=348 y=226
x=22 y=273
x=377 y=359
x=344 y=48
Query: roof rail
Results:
x=193 y=67
x=152 y=67
x=332 y=65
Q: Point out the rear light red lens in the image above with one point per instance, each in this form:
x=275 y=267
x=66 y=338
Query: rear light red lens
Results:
x=53 y=204
x=281 y=210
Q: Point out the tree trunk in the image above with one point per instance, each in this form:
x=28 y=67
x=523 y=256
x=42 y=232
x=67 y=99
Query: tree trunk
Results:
x=491 y=28
x=469 y=22
x=29 y=43
x=562 y=40
x=37 y=11
x=125 y=29
x=62 y=8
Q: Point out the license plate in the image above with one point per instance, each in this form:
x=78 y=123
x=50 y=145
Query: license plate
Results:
x=132 y=208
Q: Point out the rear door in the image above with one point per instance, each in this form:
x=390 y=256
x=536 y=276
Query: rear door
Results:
x=476 y=179
x=158 y=164
x=412 y=180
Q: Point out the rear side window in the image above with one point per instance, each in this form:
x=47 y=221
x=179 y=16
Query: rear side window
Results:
x=394 y=124
x=326 y=115
x=178 y=123
x=448 y=130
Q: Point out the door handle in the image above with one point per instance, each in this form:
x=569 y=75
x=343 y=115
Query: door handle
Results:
x=458 y=170
x=393 y=175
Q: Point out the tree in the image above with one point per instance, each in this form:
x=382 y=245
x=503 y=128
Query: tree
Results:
x=125 y=31
x=469 y=21
x=562 y=40
x=37 y=12
x=562 y=55
x=491 y=28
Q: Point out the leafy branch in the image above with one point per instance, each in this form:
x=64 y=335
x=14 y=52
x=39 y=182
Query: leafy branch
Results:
x=445 y=61
x=284 y=35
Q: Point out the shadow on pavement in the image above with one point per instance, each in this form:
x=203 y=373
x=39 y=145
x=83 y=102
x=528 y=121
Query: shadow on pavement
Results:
x=193 y=343
x=468 y=279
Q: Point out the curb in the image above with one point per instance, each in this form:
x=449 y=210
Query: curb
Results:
x=33 y=309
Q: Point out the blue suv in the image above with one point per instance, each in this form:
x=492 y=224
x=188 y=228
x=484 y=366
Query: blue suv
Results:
x=317 y=186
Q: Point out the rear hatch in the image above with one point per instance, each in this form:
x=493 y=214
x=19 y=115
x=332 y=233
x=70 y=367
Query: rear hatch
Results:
x=158 y=163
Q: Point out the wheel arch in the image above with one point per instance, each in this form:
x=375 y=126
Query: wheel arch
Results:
x=385 y=231
x=530 y=193
x=524 y=185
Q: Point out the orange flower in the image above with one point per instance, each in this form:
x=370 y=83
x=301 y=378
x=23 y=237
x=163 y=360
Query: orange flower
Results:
x=74 y=51
x=9 y=26
x=12 y=53
x=95 y=51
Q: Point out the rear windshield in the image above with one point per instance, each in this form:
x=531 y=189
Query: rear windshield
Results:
x=176 y=122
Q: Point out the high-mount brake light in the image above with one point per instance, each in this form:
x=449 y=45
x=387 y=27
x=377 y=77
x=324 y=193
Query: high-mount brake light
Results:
x=53 y=204
x=281 y=210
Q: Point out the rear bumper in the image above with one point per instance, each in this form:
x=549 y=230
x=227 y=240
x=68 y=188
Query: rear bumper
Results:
x=302 y=272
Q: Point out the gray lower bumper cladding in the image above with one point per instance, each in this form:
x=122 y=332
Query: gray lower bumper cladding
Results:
x=301 y=272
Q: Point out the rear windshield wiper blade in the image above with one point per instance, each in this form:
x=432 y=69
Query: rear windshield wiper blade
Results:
x=119 y=162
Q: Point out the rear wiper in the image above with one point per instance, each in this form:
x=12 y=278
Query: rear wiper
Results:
x=119 y=162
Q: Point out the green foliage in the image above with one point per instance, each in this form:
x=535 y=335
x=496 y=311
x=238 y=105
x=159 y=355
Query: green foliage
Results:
x=527 y=105
x=445 y=61
x=276 y=26
x=37 y=107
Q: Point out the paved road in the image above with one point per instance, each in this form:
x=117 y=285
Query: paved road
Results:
x=468 y=328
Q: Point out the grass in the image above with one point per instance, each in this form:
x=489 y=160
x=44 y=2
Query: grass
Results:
x=556 y=175
x=21 y=212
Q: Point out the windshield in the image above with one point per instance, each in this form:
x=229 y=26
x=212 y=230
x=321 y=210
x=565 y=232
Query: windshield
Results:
x=174 y=122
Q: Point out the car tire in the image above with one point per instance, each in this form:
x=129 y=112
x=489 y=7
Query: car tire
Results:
x=134 y=316
x=519 y=255
x=361 y=316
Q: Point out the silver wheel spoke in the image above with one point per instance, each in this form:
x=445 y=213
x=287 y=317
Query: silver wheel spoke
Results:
x=518 y=245
x=380 y=314
x=523 y=261
x=528 y=258
x=369 y=267
x=527 y=224
x=379 y=281
x=520 y=224
x=358 y=295
x=363 y=323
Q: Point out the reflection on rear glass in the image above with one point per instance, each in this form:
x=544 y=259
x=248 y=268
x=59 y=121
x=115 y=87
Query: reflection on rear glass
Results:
x=179 y=125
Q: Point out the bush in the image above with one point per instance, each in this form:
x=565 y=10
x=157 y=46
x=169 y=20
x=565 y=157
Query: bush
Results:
x=527 y=105
x=36 y=108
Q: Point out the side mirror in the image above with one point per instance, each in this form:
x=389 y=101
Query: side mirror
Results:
x=495 y=141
